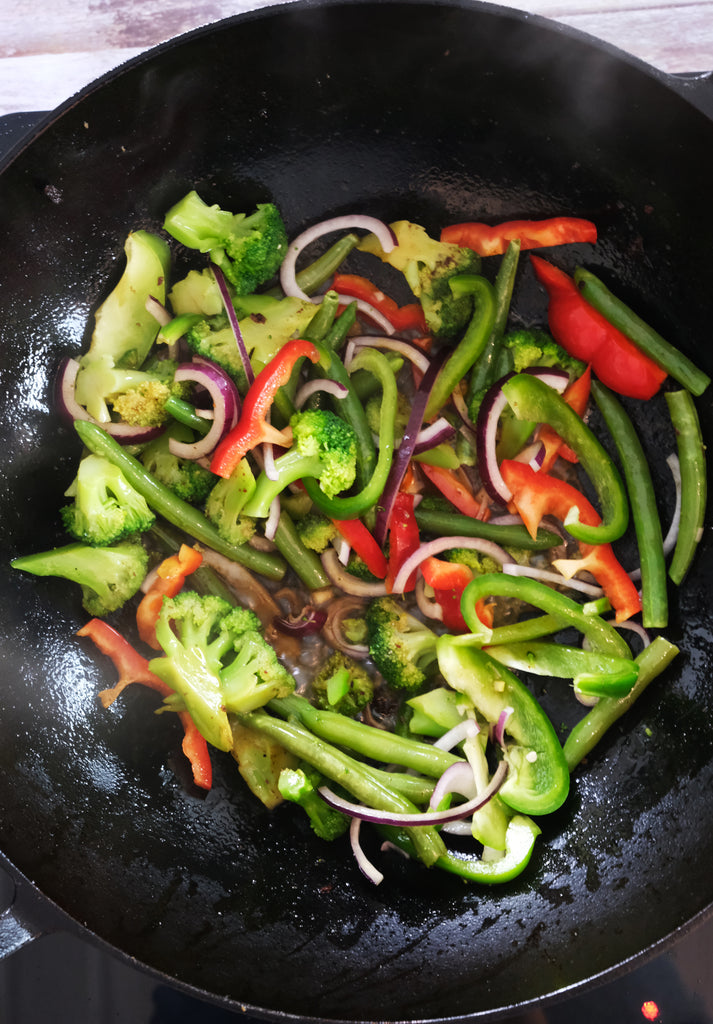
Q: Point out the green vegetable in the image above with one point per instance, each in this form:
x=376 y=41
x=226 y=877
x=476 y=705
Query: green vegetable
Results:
x=520 y=838
x=248 y=248
x=401 y=646
x=217 y=661
x=324 y=448
x=649 y=341
x=315 y=531
x=428 y=266
x=106 y=508
x=186 y=478
x=441 y=521
x=694 y=487
x=486 y=370
x=108 y=576
x=300 y=785
x=538 y=781
x=342 y=685
x=589 y=730
x=644 y=511
x=531 y=399
x=305 y=563
x=594 y=674
x=178 y=512
x=226 y=501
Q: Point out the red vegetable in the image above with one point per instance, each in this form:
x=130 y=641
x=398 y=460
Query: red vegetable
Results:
x=252 y=428
x=493 y=240
x=170 y=577
x=134 y=668
x=452 y=487
x=404 y=539
x=577 y=397
x=536 y=494
x=402 y=318
x=448 y=580
x=587 y=335
x=361 y=541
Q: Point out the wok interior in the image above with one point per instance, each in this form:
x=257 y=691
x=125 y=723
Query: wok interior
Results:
x=436 y=113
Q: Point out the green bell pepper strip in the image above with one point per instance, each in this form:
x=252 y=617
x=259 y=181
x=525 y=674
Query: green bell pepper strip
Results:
x=594 y=674
x=649 y=341
x=522 y=832
x=348 y=772
x=472 y=344
x=644 y=512
x=178 y=512
x=694 y=486
x=353 y=506
x=486 y=368
x=531 y=399
x=601 y=635
x=585 y=735
x=454 y=524
x=538 y=780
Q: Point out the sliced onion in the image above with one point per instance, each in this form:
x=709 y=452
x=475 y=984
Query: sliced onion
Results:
x=331 y=387
x=365 y=866
x=467 y=729
x=288 y=270
x=438 y=432
x=457 y=778
x=226 y=406
x=158 y=311
x=440 y=544
x=486 y=431
x=407 y=349
x=310 y=620
x=338 y=610
x=672 y=535
x=428 y=606
x=345 y=581
x=233 y=321
x=371 y=311
x=556 y=578
x=408 y=819
x=124 y=433
x=501 y=724
x=273 y=518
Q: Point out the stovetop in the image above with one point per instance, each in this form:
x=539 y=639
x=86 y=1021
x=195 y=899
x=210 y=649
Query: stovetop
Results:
x=61 y=978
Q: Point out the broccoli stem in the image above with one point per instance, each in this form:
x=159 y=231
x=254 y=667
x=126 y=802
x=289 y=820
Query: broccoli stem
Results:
x=378 y=744
x=178 y=512
x=304 y=562
x=354 y=776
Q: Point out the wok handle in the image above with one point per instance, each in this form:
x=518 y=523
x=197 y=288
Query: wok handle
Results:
x=19 y=923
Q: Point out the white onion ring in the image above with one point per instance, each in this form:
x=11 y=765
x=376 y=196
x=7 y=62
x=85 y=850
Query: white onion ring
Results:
x=288 y=271
x=407 y=349
x=457 y=778
x=591 y=589
x=672 y=536
x=467 y=729
x=226 y=405
x=332 y=387
x=364 y=864
x=273 y=518
x=345 y=581
x=435 y=547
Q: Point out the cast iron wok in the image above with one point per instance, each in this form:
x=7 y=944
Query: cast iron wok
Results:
x=434 y=112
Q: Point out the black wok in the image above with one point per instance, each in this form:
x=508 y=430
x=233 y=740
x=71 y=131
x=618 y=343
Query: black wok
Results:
x=438 y=113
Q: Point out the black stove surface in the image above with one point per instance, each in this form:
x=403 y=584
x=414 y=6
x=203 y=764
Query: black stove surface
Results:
x=61 y=978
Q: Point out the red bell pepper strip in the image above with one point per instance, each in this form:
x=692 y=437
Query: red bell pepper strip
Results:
x=402 y=318
x=356 y=534
x=577 y=397
x=134 y=668
x=449 y=483
x=587 y=335
x=493 y=240
x=404 y=539
x=252 y=427
x=448 y=580
x=170 y=577
x=536 y=494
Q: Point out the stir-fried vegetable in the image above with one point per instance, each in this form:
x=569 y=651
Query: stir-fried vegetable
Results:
x=419 y=475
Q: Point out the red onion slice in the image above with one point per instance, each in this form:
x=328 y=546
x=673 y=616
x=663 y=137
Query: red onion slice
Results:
x=468 y=729
x=431 y=436
x=560 y=579
x=233 y=320
x=671 y=537
x=288 y=270
x=309 y=621
x=369 y=870
x=404 y=348
x=410 y=820
x=345 y=581
x=124 y=433
x=226 y=406
x=332 y=387
x=440 y=544
x=501 y=724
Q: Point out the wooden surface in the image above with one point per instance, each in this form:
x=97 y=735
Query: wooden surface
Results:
x=49 y=49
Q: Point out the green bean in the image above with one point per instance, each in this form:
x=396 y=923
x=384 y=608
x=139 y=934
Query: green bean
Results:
x=454 y=524
x=642 y=498
x=485 y=370
x=178 y=512
x=304 y=562
x=640 y=333
x=186 y=413
x=692 y=460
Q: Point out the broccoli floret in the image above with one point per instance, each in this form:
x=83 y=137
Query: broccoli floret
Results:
x=216 y=660
x=266 y=323
x=428 y=265
x=260 y=760
x=137 y=396
x=476 y=561
x=106 y=508
x=299 y=785
x=196 y=293
x=401 y=646
x=108 y=576
x=535 y=347
x=342 y=685
x=324 y=448
x=248 y=248
x=316 y=531
x=124 y=331
x=185 y=477
x=226 y=501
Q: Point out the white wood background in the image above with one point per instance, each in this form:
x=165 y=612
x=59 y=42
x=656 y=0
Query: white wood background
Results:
x=51 y=48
